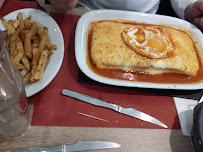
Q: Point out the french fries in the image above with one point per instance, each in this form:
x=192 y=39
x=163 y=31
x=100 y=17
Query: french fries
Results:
x=28 y=46
x=41 y=65
x=35 y=60
x=43 y=39
x=8 y=26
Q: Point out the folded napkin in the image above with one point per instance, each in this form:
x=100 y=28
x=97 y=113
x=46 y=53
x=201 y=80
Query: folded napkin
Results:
x=185 y=109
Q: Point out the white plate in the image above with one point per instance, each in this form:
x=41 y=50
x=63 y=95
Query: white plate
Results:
x=54 y=35
x=81 y=44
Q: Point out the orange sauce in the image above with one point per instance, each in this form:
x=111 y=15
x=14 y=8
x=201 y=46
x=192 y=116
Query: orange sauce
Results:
x=142 y=76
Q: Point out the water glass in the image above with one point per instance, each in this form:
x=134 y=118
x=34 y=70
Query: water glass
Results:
x=14 y=112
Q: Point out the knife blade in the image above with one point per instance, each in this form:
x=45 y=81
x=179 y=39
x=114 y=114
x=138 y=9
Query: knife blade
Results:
x=78 y=146
x=127 y=111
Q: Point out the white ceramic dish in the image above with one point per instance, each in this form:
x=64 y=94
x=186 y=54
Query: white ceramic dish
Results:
x=81 y=44
x=54 y=35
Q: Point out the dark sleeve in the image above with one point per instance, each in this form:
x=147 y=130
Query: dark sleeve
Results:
x=197 y=129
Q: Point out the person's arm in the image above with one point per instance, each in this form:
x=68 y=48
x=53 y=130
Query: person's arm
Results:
x=194 y=14
x=2 y=3
x=63 y=5
x=179 y=6
x=190 y=10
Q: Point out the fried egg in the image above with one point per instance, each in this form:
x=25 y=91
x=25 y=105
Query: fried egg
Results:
x=149 y=41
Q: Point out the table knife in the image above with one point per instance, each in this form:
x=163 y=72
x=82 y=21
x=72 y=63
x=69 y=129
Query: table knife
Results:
x=78 y=146
x=127 y=111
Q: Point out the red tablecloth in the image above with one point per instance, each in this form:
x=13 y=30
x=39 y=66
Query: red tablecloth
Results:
x=53 y=109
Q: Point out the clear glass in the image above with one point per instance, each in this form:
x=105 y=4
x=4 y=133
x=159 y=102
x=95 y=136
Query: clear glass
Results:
x=8 y=85
x=14 y=112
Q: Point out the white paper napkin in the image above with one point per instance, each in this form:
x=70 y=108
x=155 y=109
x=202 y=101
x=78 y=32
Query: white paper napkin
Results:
x=185 y=113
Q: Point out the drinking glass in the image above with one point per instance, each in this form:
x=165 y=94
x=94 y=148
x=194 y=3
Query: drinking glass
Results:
x=14 y=112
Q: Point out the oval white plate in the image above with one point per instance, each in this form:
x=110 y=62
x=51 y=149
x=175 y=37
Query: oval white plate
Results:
x=81 y=44
x=54 y=35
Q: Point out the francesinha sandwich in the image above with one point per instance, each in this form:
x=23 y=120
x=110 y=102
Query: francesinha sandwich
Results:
x=142 y=47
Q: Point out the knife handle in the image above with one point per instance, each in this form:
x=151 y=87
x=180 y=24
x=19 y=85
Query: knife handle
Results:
x=90 y=99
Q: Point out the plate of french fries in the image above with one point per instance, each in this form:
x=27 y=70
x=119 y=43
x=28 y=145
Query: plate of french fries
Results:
x=35 y=44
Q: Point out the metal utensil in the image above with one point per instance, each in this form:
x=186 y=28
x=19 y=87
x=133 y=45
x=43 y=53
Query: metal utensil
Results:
x=78 y=146
x=127 y=111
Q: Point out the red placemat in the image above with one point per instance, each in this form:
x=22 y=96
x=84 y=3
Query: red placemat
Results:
x=53 y=109
x=12 y=5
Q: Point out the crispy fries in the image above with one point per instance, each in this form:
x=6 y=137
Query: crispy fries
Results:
x=28 y=46
x=27 y=78
x=35 y=60
x=41 y=65
x=8 y=26
x=43 y=39
x=18 y=57
x=27 y=23
x=24 y=72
